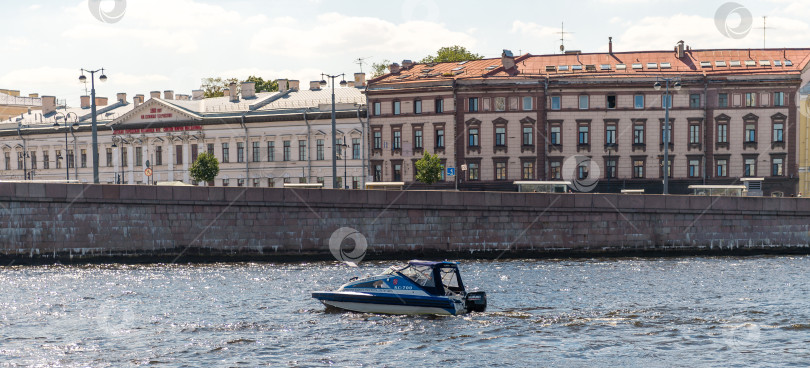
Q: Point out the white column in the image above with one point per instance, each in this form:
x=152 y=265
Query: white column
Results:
x=170 y=156
x=186 y=159
x=131 y=164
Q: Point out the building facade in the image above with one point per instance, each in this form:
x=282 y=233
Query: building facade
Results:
x=260 y=139
x=595 y=119
x=12 y=104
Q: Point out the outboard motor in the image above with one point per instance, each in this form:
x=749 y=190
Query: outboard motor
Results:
x=476 y=301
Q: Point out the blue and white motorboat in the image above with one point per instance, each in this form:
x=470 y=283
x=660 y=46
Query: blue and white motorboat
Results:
x=420 y=287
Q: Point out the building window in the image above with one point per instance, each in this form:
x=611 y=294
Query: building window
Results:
x=194 y=153
x=722 y=167
x=694 y=101
x=638 y=101
x=226 y=182
x=611 y=101
x=109 y=158
x=355 y=148
x=256 y=153
x=694 y=168
x=750 y=132
x=240 y=182
x=240 y=151
x=528 y=170
x=500 y=171
x=583 y=102
x=722 y=100
x=500 y=136
x=583 y=170
x=439 y=107
x=397 y=172
x=472 y=171
x=226 y=153
x=179 y=154
x=666 y=101
x=440 y=138
x=46 y=160
x=473 y=141
x=210 y=150
x=397 y=106
x=722 y=133
x=417 y=139
x=584 y=130
x=555 y=170
x=666 y=133
x=661 y=168
x=610 y=168
x=610 y=134
x=159 y=154
x=555 y=137
x=319 y=149
x=750 y=99
x=694 y=133
x=138 y=157
x=638 y=169
x=20 y=160
x=378 y=173
x=302 y=150
x=779 y=98
x=271 y=151
x=472 y=104
x=83 y=156
x=776 y=164
x=377 y=108
x=556 y=103
x=397 y=140
x=527 y=103
x=528 y=136
x=377 y=139
x=500 y=103
x=417 y=107
x=58 y=162
x=33 y=159
x=638 y=133
x=271 y=182
x=778 y=132
x=124 y=155
x=750 y=167
x=286 y=150
x=256 y=182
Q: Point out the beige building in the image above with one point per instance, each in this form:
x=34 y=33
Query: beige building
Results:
x=261 y=139
x=12 y=104
x=594 y=119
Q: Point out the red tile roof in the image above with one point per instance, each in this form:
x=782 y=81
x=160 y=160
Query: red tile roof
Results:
x=731 y=62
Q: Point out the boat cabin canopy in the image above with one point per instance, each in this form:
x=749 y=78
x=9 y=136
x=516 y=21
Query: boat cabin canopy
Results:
x=437 y=278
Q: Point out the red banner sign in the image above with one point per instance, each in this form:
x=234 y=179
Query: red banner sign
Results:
x=158 y=130
x=155 y=113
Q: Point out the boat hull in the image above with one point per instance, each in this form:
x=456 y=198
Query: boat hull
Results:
x=390 y=304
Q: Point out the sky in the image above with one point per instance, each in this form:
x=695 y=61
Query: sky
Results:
x=151 y=45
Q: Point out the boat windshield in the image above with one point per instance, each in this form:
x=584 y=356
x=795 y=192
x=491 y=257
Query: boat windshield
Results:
x=421 y=275
x=451 y=280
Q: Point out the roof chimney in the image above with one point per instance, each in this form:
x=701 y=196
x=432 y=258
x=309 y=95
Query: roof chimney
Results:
x=679 y=50
x=248 y=90
x=226 y=92
x=359 y=80
x=197 y=94
x=282 y=85
x=314 y=85
x=33 y=95
x=48 y=104
x=294 y=84
x=154 y=94
x=168 y=95
x=406 y=64
x=507 y=59
x=137 y=100
x=350 y=84
x=234 y=95
x=394 y=68
x=101 y=101
x=121 y=97
x=610 y=45
x=85 y=102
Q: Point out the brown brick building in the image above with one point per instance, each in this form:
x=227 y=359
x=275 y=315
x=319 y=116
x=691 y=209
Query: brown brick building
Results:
x=594 y=117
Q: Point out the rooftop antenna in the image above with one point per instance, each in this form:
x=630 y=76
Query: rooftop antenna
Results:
x=764 y=28
x=562 y=33
x=360 y=62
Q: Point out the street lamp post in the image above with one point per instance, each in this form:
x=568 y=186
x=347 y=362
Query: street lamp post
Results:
x=68 y=127
x=666 y=134
x=345 y=153
x=334 y=128
x=83 y=79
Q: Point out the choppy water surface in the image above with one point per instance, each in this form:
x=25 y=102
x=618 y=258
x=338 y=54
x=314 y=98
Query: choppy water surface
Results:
x=615 y=312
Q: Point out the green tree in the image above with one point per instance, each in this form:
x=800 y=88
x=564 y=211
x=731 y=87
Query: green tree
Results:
x=215 y=87
x=450 y=54
x=429 y=168
x=205 y=168
x=262 y=85
x=379 y=69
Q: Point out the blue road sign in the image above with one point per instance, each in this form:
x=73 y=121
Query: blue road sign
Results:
x=451 y=171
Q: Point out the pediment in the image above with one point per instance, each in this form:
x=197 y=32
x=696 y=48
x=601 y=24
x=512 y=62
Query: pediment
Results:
x=722 y=117
x=154 y=111
x=750 y=116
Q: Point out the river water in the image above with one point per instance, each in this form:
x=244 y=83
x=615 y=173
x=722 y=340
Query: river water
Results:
x=596 y=312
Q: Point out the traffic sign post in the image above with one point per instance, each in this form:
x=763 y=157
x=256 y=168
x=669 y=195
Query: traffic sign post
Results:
x=451 y=171
x=148 y=172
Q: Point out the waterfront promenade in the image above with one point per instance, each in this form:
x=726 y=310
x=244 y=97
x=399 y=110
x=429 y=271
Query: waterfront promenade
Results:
x=86 y=223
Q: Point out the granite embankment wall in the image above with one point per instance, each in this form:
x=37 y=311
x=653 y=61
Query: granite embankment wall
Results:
x=83 y=222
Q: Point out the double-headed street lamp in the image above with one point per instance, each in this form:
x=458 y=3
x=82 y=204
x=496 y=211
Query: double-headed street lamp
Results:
x=334 y=128
x=666 y=134
x=68 y=127
x=83 y=79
